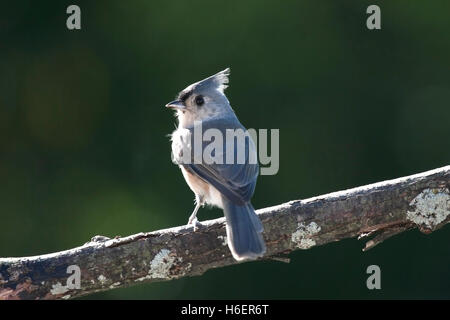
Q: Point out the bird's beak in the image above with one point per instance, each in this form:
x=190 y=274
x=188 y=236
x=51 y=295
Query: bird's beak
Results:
x=176 y=104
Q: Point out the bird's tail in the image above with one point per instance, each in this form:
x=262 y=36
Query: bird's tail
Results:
x=243 y=231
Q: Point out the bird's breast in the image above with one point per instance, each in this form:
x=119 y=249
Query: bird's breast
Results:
x=181 y=145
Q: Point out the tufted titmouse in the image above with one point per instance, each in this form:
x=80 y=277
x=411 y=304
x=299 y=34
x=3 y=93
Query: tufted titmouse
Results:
x=226 y=184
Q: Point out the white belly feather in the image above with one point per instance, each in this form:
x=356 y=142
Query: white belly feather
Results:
x=180 y=146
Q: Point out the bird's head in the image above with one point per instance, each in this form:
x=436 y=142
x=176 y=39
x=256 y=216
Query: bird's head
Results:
x=203 y=100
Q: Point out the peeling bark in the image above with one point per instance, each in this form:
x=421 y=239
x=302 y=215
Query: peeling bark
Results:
x=383 y=209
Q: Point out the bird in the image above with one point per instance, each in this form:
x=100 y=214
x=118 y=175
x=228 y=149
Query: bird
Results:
x=228 y=185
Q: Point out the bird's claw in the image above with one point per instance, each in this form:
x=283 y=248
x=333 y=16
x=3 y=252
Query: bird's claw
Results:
x=195 y=223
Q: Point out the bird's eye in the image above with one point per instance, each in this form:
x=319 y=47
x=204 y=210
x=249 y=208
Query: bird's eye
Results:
x=199 y=100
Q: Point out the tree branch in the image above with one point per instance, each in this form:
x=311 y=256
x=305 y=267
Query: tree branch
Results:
x=382 y=209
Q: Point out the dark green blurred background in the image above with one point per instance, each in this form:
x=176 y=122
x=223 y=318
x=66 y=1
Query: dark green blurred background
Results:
x=84 y=151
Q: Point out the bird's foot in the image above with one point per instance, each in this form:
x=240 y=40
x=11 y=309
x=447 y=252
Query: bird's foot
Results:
x=195 y=223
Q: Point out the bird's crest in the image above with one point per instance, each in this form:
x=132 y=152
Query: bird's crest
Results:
x=218 y=81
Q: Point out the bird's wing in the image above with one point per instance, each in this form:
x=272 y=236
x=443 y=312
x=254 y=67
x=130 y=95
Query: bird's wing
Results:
x=235 y=180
